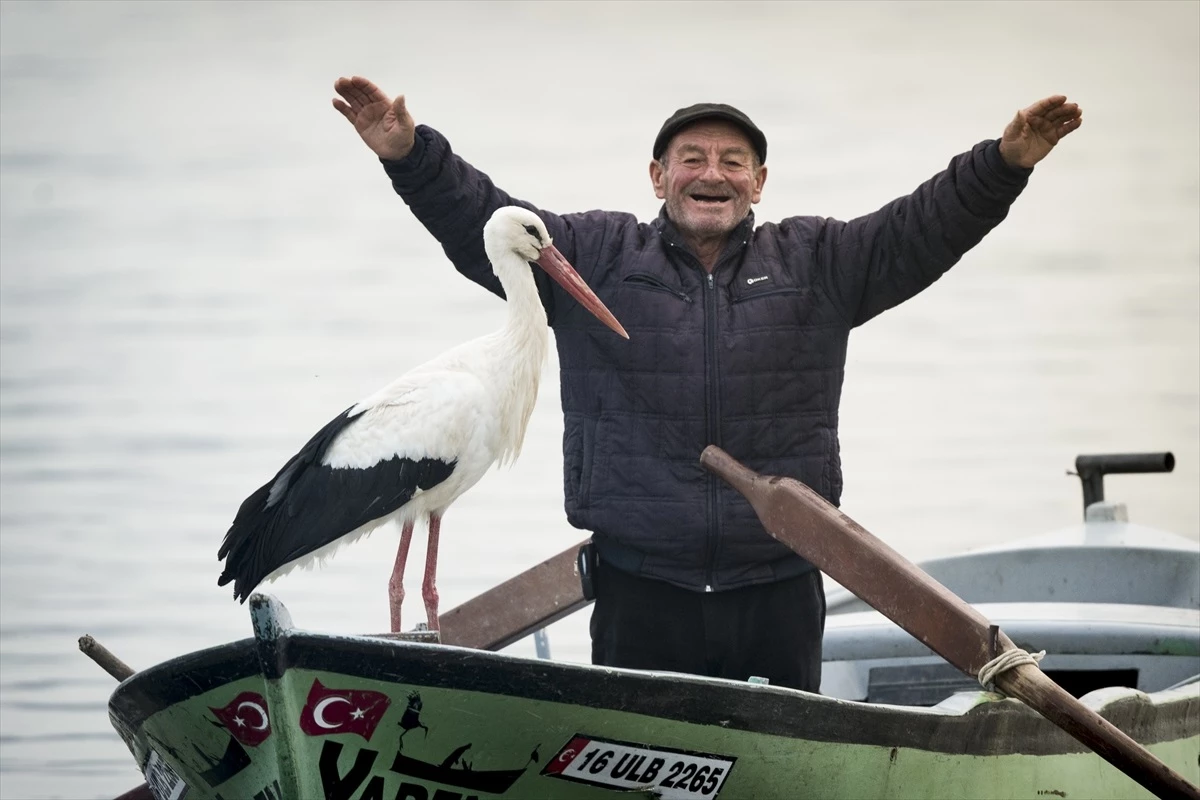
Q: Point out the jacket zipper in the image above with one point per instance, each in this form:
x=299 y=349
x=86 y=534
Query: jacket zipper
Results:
x=713 y=377
x=712 y=423
x=712 y=406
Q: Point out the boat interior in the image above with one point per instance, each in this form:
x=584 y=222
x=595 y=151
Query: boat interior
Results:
x=1112 y=603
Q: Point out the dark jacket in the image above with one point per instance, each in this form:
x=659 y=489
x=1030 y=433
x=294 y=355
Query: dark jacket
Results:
x=750 y=357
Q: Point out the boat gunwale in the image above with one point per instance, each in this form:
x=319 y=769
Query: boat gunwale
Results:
x=989 y=726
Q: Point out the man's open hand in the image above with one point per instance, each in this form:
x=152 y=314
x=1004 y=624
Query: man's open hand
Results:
x=385 y=125
x=1035 y=131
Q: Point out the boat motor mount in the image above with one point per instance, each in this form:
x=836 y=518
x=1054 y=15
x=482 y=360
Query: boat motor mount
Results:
x=1092 y=469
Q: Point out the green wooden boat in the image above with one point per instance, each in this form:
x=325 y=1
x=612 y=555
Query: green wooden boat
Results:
x=290 y=714
x=296 y=714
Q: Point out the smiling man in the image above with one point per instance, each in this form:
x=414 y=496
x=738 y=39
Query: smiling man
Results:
x=738 y=336
x=708 y=167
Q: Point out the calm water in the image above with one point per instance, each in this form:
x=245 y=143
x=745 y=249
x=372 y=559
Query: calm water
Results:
x=202 y=264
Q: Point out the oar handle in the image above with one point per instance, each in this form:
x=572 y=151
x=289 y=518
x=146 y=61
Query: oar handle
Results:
x=730 y=470
x=904 y=593
x=800 y=518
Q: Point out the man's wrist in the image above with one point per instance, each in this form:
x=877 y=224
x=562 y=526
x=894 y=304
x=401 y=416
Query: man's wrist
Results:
x=1010 y=160
x=407 y=161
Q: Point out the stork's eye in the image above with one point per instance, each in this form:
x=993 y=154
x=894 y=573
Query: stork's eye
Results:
x=533 y=232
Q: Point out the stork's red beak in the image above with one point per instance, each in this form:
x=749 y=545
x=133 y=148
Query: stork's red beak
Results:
x=557 y=266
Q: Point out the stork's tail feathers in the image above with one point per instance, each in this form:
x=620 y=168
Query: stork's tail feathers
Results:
x=248 y=542
x=233 y=549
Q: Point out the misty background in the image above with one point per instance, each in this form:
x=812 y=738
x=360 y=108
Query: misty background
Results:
x=201 y=264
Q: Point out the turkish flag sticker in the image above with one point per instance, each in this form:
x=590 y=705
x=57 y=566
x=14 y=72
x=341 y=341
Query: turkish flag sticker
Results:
x=342 y=711
x=246 y=718
x=570 y=751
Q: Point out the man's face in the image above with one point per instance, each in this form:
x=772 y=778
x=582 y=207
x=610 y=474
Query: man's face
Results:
x=708 y=177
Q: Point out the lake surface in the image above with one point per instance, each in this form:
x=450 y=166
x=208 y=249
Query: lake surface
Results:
x=202 y=264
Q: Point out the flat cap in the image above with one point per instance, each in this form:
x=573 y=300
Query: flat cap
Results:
x=686 y=116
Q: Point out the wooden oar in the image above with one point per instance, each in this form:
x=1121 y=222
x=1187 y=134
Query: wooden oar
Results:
x=804 y=521
x=523 y=604
x=119 y=670
x=516 y=608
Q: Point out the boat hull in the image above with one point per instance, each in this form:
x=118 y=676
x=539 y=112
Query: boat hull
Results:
x=296 y=714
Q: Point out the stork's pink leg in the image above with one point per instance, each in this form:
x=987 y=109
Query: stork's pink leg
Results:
x=429 y=588
x=396 y=584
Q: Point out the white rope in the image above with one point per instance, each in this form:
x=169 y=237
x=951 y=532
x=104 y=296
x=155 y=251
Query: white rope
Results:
x=1004 y=662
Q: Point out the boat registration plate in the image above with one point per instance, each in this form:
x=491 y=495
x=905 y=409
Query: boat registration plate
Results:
x=668 y=772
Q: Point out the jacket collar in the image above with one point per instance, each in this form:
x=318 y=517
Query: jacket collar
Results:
x=666 y=227
x=738 y=236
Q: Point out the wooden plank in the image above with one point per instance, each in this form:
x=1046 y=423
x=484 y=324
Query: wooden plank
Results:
x=516 y=608
x=804 y=521
x=104 y=657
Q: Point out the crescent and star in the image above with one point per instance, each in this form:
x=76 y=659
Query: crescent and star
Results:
x=319 y=712
x=262 y=713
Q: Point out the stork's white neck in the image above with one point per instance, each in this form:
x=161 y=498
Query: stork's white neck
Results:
x=522 y=342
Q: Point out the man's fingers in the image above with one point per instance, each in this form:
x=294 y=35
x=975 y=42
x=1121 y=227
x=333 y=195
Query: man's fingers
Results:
x=359 y=92
x=357 y=97
x=1069 y=126
x=1041 y=107
x=399 y=107
x=345 y=110
x=1063 y=112
x=344 y=88
x=368 y=90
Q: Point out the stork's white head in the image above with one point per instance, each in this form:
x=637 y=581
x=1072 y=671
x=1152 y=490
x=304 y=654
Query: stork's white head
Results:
x=516 y=231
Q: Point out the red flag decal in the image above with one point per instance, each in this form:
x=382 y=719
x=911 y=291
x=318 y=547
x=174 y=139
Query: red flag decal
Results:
x=246 y=718
x=342 y=711
x=570 y=751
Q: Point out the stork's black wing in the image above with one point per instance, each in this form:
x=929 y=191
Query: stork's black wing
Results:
x=308 y=505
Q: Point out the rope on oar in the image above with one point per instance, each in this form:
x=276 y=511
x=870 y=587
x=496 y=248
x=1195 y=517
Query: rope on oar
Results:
x=1004 y=662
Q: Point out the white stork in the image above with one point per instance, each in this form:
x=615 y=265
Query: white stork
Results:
x=409 y=450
